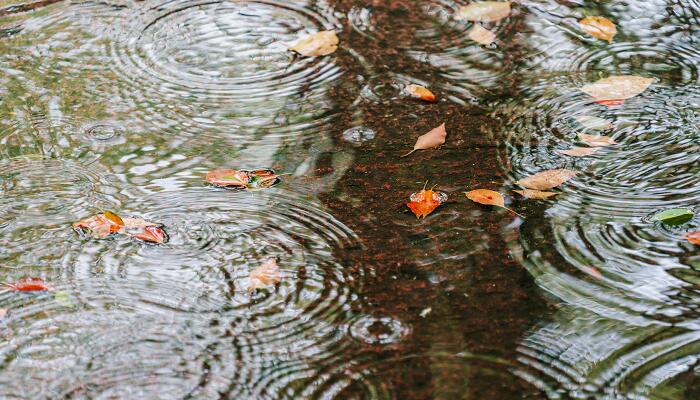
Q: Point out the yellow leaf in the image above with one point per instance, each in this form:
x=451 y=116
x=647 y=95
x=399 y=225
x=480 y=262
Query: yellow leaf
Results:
x=547 y=179
x=266 y=274
x=432 y=139
x=596 y=140
x=488 y=11
x=578 y=151
x=599 y=27
x=535 y=194
x=317 y=44
x=481 y=35
x=488 y=197
x=618 y=87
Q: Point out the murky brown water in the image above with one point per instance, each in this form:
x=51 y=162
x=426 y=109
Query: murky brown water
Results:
x=125 y=106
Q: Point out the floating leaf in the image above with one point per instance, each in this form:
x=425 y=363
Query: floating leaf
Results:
x=63 y=298
x=481 y=35
x=547 y=179
x=599 y=27
x=596 y=141
x=432 y=139
x=535 y=194
x=151 y=234
x=674 y=216
x=425 y=202
x=29 y=285
x=578 y=151
x=420 y=92
x=267 y=274
x=100 y=226
x=424 y=313
x=614 y=89
x=261 y=178
x=3 y=312
x=317 y=44
x=594 y=123
x=488 y=197
x=488 y=11
x=228 y=178
x=693 y=237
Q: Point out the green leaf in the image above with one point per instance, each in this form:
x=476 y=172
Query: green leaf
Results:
x=63 y=298
x=674 y=216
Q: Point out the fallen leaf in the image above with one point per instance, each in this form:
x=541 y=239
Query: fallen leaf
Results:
x=425 y=202
x=3 y=312
x=317 y=44
x=430 y=140
x=420 y=92
x=489 y=198
x=266 y=274
x=261 y=178
x=151 y=234
x=578 y=151
x=63 y=298
x=674 y=216
x=594 y=123
x=593 y=271
x=547 y=179
x=535 y=194
x=615 y=89
x=227 y=178
x=488 y=11
x=425 y=312
x=693 y=237
x=596 y=141
x=28 y=285
x=137 y=223
x=481 y=35
x=100 y=226
x=599 y=27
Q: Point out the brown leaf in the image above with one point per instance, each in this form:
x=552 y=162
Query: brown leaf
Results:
x=432 y=139
x=151 y=234
x=100 y=226
x=481 y=35
x=693 y=237
x=488 y=197
x=317 y=44
x=547 y=179
x=599 y=27
x=578 y=151
x=228 y=178
x=535 y=194
x=596 y=140
x=425 y=202
x=488 y=11
x=420 y=92
x=266 y=274
x=614 y=89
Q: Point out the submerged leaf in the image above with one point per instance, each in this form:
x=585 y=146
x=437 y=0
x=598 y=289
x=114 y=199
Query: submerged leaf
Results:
x=535 y=194
x=432 y=139
x=614 y=89
x=151 y=234
x=100 y=226
x=596 y=140
x=3 y=312
x=488 y=197
x=578 y=151
x=266 y=274
x=488 y=11
x=547 y=179
x=693 y=237
x=674 y=216
x=420 y=92
x=594 y=123
x=317 y=44
x=481 y=35
x=425 y=202
x=228 y=178
x=29 y=285
x=599 y=27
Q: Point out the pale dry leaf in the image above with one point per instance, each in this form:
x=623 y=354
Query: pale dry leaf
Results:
x=535 y=194
x=547 y=179
x=481 y=35
x=594 y=123
x=487 y=11
x=432 y=139
x=420 y=92
x=617 y=87
x=596 y=140
x=136 y=223
x=266 y=274
x=599 y=27
x=578 y=151
x=3 y=312
x=317 y=44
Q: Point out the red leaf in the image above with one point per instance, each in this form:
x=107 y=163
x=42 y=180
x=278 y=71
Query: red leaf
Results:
x=151 y=234
x=29 y=285
x=100 y=226
x=425 y=202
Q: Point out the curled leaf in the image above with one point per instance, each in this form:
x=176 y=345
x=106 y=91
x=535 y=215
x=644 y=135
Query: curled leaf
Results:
x=262 y=178
x=594 y=123
x=228 y=178
x=317 y=44
x=535 y=194
x=481 y=35
x=488 y=197
x=596 y=140
x=432 y=139
x=599 y=27
x=674 y=216
x=420 y=92
x=578 y=151
x=547 y=179
x=266 y=274
x=151 y=234
x=100 y=226
x=615 y=89
x=693 y=237
x=488 y=11
x=425 y=202
x=29 y=285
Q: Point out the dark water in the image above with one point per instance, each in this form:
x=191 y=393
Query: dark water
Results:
x=125 y=106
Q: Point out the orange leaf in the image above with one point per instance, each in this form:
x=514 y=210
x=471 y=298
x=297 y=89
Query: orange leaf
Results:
x=29 y=285
x=547 y=179
x=266 y=274
x=425 y=202
x=596 y=140
x=317 y=44
x=693 y=237
x=535 y=194
x=432 y=139
x=578 y=151
x=481 y=35
x=100 y=226
x=488 y=197
x=151 y=234
x=228 y=177
x=599 y=27
x=420 y=92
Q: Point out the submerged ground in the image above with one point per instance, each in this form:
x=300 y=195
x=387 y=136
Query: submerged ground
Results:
x=126 y=105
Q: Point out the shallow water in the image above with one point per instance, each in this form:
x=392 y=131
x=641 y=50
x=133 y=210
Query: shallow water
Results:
x=125 y=106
